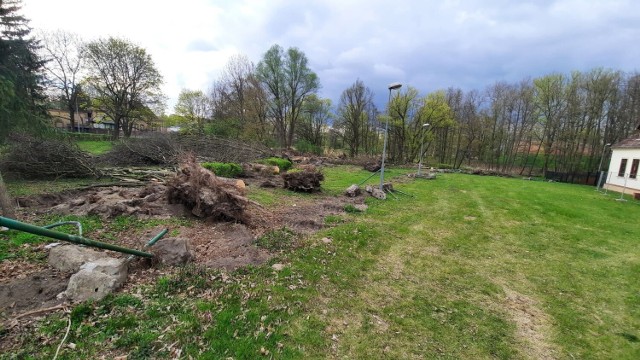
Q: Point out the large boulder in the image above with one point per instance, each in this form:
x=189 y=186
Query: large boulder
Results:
x=172 y=251
x=69 y=258
x=97 y=279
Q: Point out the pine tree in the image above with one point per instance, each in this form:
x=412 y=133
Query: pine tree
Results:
x=21 y=73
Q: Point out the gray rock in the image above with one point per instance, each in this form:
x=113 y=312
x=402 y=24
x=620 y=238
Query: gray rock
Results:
x=378 y=194
x=172 y=251
x=70 y=257
x=353 y=191
x=361 y=207
x=277 y=267
x=368 y=189
x=97 y=279
x=110 y=266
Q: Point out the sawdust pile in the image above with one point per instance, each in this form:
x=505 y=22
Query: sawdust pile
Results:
x=206 y=196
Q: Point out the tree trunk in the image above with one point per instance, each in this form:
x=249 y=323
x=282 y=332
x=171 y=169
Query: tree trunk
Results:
x=5 y=201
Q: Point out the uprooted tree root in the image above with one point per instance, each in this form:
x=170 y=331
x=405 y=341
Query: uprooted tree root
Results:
x=307 y=180
x=205 y=195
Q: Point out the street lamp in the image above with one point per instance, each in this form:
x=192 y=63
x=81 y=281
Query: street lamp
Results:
x=600 y=165
x=392 y=86
x=421 y=146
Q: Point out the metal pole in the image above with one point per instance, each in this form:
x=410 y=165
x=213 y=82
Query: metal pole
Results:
x=421 y=146
x=384 y=144
x=600 y=165
x=623 y=189
x=608 y=180
x=37 y=230
x=393 y=86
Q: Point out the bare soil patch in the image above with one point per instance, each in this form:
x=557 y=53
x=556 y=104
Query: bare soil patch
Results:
x=33 y=291
x=531 y=324
x=215 y=243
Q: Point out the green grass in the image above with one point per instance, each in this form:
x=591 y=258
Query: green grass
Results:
x=95 y=147
x=35 y=187
x=462 y=270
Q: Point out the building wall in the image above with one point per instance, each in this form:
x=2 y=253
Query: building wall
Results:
x=615 y=182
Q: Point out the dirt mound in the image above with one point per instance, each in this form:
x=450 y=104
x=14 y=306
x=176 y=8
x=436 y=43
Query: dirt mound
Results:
x=224 y=245
x=113 y=201
x=200 y=191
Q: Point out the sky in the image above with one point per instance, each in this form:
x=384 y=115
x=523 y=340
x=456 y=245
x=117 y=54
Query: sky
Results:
x=425 y=44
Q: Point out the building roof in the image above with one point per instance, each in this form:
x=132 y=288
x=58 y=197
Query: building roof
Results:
x=630 y=143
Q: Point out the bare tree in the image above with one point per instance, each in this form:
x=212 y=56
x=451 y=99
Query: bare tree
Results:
x=353 y=113
x=65 y=67
x=239 y=101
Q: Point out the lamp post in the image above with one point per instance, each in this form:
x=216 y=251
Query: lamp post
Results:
x=421 y=146
x=600 y=165
x=392 y=86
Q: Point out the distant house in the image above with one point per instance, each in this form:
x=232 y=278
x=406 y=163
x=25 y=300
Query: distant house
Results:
x=60 y=120
x=623 y=168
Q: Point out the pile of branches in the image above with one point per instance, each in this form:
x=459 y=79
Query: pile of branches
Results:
x=31 y=157
x=486 y=172
x=214 y=148
x=206 y=196
x=307 y=180
x=153 y=149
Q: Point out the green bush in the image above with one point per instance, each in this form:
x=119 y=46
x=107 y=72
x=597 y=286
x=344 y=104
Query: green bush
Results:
x=228 y=170
x=305 y=146
x=283 y=164
x=444 y=166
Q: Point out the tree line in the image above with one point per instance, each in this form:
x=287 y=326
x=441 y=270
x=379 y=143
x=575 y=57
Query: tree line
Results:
x=557 y=122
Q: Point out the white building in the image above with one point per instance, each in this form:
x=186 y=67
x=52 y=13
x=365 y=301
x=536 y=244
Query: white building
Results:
x=623 y=168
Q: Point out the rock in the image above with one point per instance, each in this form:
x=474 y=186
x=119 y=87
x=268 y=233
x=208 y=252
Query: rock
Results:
x=326 y=240
x=361 y=207
x=172 y=251
x=373 y=167
x=70 y=257
x=368 y=189
x=378 y=194
x=277 y=267
x=110 y=266
x=353 y=191
x=97 y=279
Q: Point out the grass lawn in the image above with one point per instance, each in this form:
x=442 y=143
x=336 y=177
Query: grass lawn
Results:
x=470 y=267
x=95 y=147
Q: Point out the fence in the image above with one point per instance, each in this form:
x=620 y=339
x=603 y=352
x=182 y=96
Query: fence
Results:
x=624 y=184
x=586 y=178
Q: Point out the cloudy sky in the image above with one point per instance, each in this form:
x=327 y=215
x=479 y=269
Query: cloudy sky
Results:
x=426 y=44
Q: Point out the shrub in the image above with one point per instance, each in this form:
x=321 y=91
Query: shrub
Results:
x=228 y=170
x=444 y=166
x=283 y=164
x=305 y=146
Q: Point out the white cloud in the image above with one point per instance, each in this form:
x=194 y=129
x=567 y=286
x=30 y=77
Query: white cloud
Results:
x=426 y=44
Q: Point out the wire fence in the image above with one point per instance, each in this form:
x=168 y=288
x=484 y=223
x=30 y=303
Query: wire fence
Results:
x=624 y=183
